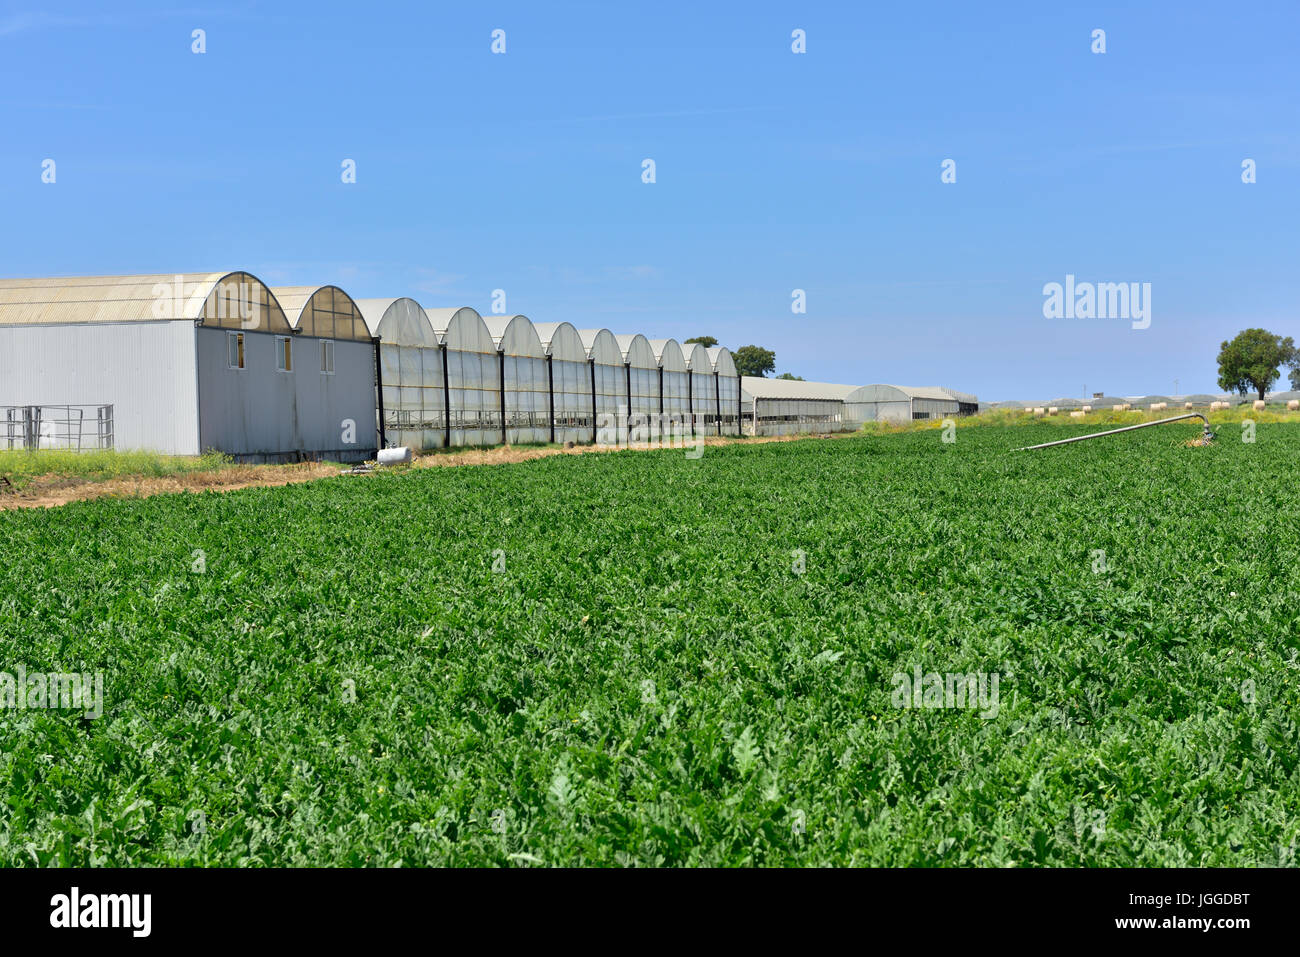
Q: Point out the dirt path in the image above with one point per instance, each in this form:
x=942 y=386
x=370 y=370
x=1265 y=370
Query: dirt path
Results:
x=55 y=490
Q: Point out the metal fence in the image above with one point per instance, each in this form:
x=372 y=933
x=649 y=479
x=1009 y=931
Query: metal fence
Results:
x=78 y=428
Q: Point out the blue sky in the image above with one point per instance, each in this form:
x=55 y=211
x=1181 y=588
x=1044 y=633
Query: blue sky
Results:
x=775 y=171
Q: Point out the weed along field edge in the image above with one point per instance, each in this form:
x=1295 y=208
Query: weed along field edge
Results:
x=888 y=649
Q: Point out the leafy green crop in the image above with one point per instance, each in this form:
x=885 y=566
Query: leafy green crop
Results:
x=648 y=679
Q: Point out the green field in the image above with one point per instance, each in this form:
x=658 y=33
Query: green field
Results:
x=649 y=681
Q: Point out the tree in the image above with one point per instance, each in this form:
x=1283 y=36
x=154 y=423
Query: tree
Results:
x=707 y=341
x=1253 y=360
x=754 y=360
x=791 y=376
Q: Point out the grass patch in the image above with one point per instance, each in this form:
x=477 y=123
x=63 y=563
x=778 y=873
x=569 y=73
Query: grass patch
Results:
x=1008 y=418
x=22 y=467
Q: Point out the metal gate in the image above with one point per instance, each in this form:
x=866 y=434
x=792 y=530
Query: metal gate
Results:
x=77 y=428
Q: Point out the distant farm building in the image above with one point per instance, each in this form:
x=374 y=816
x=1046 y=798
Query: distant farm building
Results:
x=790 y=406
x=898 y=403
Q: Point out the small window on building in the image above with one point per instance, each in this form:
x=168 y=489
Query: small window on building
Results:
x=327 y=356
x=283 y=354
x=236 y=342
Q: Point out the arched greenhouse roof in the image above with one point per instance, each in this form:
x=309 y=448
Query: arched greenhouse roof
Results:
x=461 y=328
x=399 y=322
x=669 y=354
x=325 y=312
x=601 y=346
x=637 y=352
x=561 y=341
x=235 y=300
x=697 y=358
x=515 y=336
x=723 y=362
x=883 y=392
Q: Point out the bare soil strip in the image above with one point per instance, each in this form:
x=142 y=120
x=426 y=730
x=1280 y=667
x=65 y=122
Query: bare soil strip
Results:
x=55 y=490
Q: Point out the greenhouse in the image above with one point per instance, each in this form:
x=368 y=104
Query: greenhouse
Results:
x=675 y=384
x=791 y=406
x=609 y=384
x=897 y=403
x=724 y=367
x=524 y=381
x=703 y=389
x=180 y=364
x=570 y=378
x=411 y=372
x=473 y=376
x=642 y=385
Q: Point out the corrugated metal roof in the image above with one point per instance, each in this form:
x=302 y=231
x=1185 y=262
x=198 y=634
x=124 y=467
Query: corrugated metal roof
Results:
x=927 y=392
x=80 y=299
x=760 y=388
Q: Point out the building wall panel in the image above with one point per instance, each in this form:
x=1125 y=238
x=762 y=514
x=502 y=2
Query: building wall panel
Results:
x=146 y=370
x=261 y=413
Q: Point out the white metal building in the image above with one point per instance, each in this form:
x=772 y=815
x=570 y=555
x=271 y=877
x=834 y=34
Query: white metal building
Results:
x=790 y=407
x=190 y=363
x=897 y=403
